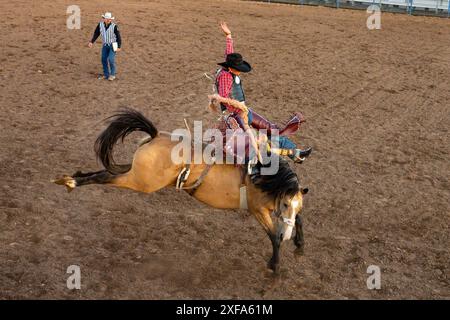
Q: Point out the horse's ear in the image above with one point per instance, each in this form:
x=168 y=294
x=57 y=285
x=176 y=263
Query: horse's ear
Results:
x=304 y=190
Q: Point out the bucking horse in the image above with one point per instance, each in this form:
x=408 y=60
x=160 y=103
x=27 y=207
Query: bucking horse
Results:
x=275 y=200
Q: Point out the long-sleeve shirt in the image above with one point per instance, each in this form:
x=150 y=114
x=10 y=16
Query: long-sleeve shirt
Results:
x=225 y=78
x=116 y=32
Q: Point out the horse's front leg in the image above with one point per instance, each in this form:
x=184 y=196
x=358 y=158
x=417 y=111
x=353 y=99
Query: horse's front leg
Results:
x=299 y=240
x=274 y=262
x=263 y=215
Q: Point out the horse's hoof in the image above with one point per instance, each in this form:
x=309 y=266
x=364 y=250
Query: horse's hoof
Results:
x=276 y=271
x=275 y=267
x=66 y=181
x=300 y=251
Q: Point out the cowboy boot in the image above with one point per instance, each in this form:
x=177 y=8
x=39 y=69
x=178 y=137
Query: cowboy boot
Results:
x=299 y=155
x=289 y=148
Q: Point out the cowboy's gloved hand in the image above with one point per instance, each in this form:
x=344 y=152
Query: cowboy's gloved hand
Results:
x=225 y=29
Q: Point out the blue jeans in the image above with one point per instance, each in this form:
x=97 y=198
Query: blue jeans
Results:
x=108 y=57
x=286 y=143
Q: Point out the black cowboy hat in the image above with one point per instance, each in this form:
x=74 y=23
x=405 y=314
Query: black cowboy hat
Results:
x=235 y=61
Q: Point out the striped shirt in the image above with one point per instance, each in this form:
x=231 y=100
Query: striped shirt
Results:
x=110 y=33
x=107 y=34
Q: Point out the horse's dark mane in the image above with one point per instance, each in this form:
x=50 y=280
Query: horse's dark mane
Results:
x=283 y=183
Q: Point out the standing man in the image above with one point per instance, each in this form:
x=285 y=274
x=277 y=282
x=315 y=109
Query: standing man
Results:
x=112 y=43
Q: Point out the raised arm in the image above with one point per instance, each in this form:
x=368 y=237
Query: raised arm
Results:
x=229 y=48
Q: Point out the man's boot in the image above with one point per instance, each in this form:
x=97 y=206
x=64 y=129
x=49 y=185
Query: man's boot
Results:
x=299 y=155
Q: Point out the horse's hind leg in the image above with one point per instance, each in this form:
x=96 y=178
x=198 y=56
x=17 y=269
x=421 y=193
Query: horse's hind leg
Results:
x=299 y=240
x=99 y=177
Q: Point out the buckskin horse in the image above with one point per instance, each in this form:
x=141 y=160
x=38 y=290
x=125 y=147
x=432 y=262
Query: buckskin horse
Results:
x=275 y=200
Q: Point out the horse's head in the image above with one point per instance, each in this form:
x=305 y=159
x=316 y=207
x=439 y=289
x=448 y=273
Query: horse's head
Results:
x=283 y=188
x=286 y=209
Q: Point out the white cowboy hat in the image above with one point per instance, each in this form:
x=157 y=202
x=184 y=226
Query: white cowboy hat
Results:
x=108 y=15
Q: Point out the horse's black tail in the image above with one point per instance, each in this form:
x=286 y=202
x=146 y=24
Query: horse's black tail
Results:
x=120 y=125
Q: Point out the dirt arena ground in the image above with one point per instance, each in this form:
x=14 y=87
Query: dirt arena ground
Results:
x=377 y=104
